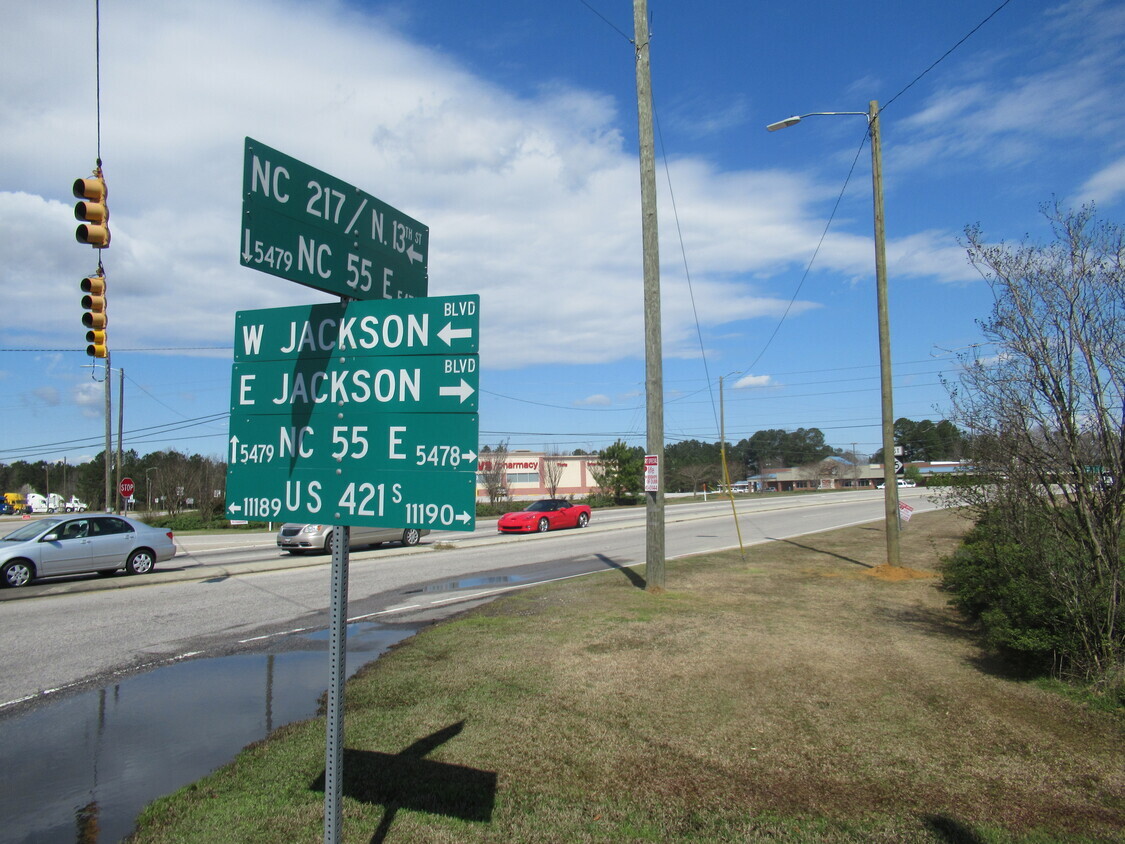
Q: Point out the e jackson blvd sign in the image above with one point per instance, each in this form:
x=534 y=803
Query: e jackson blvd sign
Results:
x=358 y=413
x=307 y=226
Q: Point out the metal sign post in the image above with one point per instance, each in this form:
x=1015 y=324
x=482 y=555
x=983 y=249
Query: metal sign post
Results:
x=337 y=672
x=361 y=413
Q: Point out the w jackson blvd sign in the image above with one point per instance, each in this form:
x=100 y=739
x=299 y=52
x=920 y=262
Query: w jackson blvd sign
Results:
x=358 y=413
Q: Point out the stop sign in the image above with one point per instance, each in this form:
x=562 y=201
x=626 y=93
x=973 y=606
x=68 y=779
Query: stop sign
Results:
x=126 y=487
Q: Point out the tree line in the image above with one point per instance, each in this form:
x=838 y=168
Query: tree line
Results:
x=165 y=480
x=692 y=463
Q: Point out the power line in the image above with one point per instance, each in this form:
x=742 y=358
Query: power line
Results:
x=812 y=259
x=89 y=442
x=945 y=55
x=607 y=21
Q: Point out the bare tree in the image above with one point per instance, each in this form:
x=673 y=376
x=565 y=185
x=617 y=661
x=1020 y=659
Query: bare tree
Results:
x=493 y=473
x=823 y=470
x=551 y=471
x=695 y=475
x=1045 y=417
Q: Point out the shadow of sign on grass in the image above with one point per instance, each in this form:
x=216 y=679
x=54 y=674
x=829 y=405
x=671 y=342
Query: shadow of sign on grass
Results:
x=406 y=780
x=633 y=577
x=822 y=551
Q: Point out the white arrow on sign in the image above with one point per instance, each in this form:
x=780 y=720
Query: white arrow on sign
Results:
x=469 y=456
x=464 y=390
x=448 y=333
x=246 y=254
x=233 y=449
x=413 y=255
x=235 y=508
x=463 y=518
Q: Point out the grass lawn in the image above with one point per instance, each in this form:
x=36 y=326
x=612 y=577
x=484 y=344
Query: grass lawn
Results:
x=802 y=693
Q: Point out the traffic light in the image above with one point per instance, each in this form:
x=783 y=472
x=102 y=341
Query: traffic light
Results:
x=93 y=302
x=93 y=210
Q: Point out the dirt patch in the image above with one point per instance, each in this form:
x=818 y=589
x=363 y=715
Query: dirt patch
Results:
x=897 y=574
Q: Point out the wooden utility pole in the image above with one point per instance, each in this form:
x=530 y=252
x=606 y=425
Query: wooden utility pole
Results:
x=890 y=478
x=654 y=364
x=109 y=500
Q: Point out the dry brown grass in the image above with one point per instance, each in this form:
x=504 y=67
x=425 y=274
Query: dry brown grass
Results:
x=800 y=693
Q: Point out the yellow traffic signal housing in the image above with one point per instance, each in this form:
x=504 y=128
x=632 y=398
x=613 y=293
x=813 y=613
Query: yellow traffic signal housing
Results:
x=95 y=319
x=96 y=344
x=94 y=285
x=93 y=210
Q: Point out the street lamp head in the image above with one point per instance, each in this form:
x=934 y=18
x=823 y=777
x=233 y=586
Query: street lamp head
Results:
x=781 y=124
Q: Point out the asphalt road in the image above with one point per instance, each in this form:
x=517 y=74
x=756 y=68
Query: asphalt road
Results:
x=222 y=594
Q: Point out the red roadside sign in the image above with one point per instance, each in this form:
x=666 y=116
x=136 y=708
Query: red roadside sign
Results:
x=126 y=488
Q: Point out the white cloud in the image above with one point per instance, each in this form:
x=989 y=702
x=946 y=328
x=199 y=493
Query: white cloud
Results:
x=1003 y=121
x=1105 y=186
x=89 y=398
x=597 y=400
x=531 y=201
x=753 y=381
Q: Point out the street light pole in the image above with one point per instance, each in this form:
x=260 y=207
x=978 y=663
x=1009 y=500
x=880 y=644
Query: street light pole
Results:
x=890 y=482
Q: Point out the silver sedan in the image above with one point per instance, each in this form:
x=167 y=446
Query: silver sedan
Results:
x=298 y=538
x=75 y=544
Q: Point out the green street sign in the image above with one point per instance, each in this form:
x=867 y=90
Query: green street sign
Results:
x=302 y=224
x=437 y=325
x=306 y=386
x=442 y=500
x=362 y=443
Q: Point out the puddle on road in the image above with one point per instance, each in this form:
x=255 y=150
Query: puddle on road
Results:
x=469 y=583
x=82 y=767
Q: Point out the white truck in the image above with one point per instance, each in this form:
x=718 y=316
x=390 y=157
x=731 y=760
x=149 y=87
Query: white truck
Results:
x=37 y=503
x=52 y=502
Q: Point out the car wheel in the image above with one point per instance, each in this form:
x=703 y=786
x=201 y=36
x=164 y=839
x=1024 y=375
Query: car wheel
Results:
x=583 y=520
x=17 y=573
x=544 y=525
x=140 y=562
x=410 y=536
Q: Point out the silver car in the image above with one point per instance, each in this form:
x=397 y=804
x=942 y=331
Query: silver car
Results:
x=73 y=544
x=297 y=539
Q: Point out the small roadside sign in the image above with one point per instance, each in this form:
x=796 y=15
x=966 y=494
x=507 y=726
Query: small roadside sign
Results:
x=652 y=473
x=905 y=511
x=126 y=488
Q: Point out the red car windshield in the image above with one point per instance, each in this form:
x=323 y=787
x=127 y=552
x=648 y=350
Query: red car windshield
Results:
x=546 y=506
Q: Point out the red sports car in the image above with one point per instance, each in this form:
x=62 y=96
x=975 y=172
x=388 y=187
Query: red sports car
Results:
x=545 y=514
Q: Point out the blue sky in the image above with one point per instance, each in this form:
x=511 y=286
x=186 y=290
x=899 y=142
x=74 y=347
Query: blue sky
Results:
x=510 y=129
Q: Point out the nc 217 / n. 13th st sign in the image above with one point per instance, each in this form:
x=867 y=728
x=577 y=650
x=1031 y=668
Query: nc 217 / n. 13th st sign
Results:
x=307 y=226
x=358 y=413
